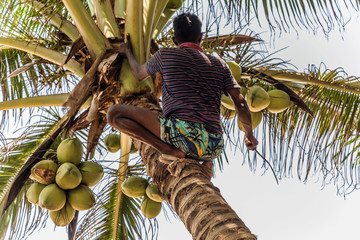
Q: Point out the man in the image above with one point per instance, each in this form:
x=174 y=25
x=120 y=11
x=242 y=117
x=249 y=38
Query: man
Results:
x=192 y=85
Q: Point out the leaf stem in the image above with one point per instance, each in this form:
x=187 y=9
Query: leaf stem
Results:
x=124 y=159
x=93 y=38
x=105 y=18
x=43 y=52
x=38 y=101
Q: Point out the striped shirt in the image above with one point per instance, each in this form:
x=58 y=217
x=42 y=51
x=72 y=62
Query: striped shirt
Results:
x=192 y=84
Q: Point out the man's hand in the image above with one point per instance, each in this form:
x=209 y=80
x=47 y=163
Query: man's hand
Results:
x=251 y=142
x=124 y=49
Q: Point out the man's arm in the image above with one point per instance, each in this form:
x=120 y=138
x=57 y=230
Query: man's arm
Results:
x=244 y=116
x=138 y=70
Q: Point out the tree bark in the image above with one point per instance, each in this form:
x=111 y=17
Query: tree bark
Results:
x=198 y=203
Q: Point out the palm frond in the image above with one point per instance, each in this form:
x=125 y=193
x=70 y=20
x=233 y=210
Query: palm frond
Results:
x=279 y=15
x=19 y=20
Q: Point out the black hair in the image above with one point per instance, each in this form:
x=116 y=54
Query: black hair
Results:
x=187 y=28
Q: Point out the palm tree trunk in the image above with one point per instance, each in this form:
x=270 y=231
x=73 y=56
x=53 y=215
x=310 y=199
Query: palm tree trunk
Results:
x=198 y=203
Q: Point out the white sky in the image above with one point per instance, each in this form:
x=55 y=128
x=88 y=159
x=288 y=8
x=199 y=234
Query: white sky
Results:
x=291 y=210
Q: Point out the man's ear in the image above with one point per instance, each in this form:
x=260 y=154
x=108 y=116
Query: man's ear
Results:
x=175 y=41
x=199 y=38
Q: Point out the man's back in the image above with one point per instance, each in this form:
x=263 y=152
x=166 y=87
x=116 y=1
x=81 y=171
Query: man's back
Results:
x=192 y=84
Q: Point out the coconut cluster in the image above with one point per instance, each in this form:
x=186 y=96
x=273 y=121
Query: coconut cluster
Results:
x=257 y=98
x=136 y=187
x=62 y=186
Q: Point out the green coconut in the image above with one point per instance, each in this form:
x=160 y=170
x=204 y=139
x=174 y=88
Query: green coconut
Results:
x=153 y=193
x=134 y=186
x=112 y=142
x=52 y=198
x=150 y=208
x=81 y=198
x=227 y=102
x=227 y=113
x=64 y=216
x=32 y=194
x=68 y=176
x=44 y=172
x=257 y=98
x=279 y=101
x=235 y=70
x=70 y=150
x=256 y=118
x=91 y=172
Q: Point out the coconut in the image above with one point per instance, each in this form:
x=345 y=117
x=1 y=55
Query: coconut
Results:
x=235 y=70
x=52 y=198
x=150 y=208
x=81 y=198
x=279 y=101
x=153 y=193
x=257 y=98
x=64 y=216
x=44 y=172
x=70 y=150
x=227 y=113
x=32 y=194
x=256 y=118
x=112 y=142
x=91 y=172
x=227 y=102
x=134 y=186
x=68 y=176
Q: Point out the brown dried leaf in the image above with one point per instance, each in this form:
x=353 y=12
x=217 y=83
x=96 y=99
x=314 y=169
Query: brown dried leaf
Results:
x=75 y=48
x=84 y=88
x=95 y=131
x=228 y=40
x=25 y=68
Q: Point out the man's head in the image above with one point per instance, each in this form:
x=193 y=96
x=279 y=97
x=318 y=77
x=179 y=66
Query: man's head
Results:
x=187 y=28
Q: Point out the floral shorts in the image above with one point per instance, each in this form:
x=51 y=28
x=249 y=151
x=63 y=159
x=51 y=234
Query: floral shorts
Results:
x=191 y=138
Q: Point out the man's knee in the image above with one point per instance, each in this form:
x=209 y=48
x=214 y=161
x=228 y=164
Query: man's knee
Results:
x=114 y=112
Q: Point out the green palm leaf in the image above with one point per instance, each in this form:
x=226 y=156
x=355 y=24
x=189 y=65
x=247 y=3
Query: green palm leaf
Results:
x=280 y=15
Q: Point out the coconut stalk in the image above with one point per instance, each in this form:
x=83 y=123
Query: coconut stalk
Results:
x=105 y=18
x=55 y=100
x=126 y=142
x=56 y=19
x=133 y=27
x=152 y=14
x=43 y=52
x=94 y=40
x=167 y=13
x=282 y=75
x=120 y=8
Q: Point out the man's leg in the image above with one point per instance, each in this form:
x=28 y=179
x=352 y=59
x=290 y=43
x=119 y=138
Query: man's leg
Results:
x=141 y=124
